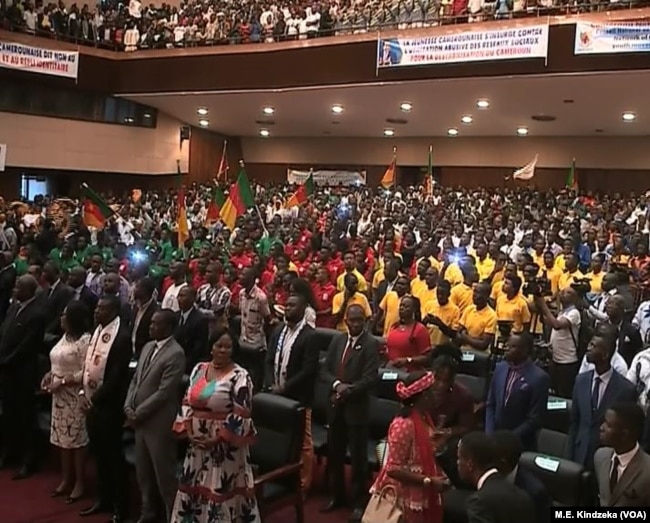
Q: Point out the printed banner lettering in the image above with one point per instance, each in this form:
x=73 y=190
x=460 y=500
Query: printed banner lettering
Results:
x=3 y=156
x=611 y=38
x=469 y=46
x=326 y=177
x=37 y=60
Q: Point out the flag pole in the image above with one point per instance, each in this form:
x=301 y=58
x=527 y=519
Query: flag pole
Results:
x=257 y=208
x=223 y=163
x=395 y=167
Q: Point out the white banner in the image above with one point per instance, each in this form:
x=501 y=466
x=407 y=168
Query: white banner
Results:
x=614 y=37
x=3 y=156
x=37 y=60
x=468 y=46
x=326 y=177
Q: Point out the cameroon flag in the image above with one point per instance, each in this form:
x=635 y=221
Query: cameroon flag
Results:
x=388 y=180
x=572 y=178
x=95 y=210
x=303 y=193
x=216 y=204
x=181 y=220
x=240 y=199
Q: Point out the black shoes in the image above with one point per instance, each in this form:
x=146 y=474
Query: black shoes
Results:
x=97 y=508
x=332 y=505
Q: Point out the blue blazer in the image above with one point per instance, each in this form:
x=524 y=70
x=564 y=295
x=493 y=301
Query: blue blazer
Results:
x=584 y=429
x=526 y=406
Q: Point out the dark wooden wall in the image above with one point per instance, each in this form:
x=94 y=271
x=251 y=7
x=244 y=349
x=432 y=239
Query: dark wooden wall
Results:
x=205 y=154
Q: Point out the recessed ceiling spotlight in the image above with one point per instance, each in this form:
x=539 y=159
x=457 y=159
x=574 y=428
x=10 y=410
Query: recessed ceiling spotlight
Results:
x=467 y=119
x=483 y=104
x=406 y=106
x=202 y=111
x=203 y=122
x=268 y=110
x=452 y=131
x=389 y=132
x=337 y=109
x=264 y=133
x=522 y=131
x=146 y=115
x=629 y=117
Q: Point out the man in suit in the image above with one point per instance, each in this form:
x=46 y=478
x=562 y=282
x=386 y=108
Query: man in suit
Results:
x=622 y=468
x=58 y=295
x=594 y=392
x=112 y=286
x=21 y=340
x=142 y=313
x=518 y=393
x=350 y=371
x=496 y=499
x=105 y=384
x=628 y=337
x=150 y=408
x=7 y=281
x=508 y=451
x=77 y=280
x=192 y=329
x=292 y=368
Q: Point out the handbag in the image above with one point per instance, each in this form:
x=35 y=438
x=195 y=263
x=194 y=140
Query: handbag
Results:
x=381 y=508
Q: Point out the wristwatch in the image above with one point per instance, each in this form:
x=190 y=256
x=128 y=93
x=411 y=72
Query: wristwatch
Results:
x=81 y=392
x=409 y=360
x=427 y=481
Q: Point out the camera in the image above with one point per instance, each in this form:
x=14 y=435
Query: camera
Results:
x=581 y=285
x=539 y=286
x=505 y=328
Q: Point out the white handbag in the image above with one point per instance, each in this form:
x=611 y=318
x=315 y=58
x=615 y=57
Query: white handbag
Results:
x=382 y=507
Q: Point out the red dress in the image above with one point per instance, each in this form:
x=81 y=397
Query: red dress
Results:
x=405 y=341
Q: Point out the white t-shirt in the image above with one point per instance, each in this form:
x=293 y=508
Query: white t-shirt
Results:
x=30 y=20
x=618 y=364
x=563 y=346
x=639 y=375
x=170 y=300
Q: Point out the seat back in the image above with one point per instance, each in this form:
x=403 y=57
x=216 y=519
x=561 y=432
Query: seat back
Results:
x=551 y=443
x=322 y=337
x=280 y=425
x=386 y=382
x=475 y=363
x=567 y=482
x=558 y=414
x=251 y=358
x=476 y=385
x=382 y=413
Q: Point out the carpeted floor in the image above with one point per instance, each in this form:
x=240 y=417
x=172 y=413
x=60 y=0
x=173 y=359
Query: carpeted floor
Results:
x=29 y=501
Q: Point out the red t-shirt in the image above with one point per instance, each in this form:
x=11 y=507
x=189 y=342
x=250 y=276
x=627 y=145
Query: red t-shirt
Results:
x=411 y=342
x=242 y=261
x=324 y=294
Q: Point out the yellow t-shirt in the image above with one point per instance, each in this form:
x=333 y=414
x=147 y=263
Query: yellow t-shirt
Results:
x=477 y=323
x=453 y=274
x=553 y=275
x=539 y=260
x=417 y=287
x=515 y=310
x=357 y=299
x=536 y=324
x=567 y=278
x=560 y=263
x=378 y=278
x=363 y=284
x=461 y=296
x=427 y=296
x=449 y=314
x=434 y=263
x=390 y=305
x=596 y=281
x=485 y=268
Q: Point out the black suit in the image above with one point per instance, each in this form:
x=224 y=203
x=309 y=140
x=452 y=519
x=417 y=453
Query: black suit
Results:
x=348 y=418
x=142 y=336
x=192 y=335
x=89 y=299
x=537 y=493
x=56 y=301
x=629 y=341
x=105 y=420
x=21 y=341
x=7 y=282
x=499 y=501
x=302 y=367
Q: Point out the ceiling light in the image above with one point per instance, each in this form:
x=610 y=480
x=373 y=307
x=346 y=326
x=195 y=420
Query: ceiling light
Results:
x=406 y=106
x=337 y=109
x=482 y=104
x=389 y=132
x=202 y=111
x=629 y=117
x=264 y=133
x=522 y=131
x=452 y=131
x=268 y=110
x=203 y=122
x=467 y=119
x=147 y=115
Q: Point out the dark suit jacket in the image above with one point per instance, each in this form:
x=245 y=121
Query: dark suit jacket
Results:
x=7 y=282
x=379 y=294
x=360 y=372
x=499 y=501
x=526 y=406
x=193 y=337
x=629 y=342
x=54 y=305
x=89 y=299
x=302 y=367
x=536 y=492
x=584 y=429
x=21 y=337
x=142 y=336
x=632 y=488
x=108 y=400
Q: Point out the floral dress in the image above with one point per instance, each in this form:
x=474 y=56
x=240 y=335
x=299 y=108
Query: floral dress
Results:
x=216 y=484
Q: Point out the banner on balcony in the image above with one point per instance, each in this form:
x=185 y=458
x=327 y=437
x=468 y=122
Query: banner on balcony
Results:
x=469 y=46
x=611 y=38
x=326 y=177
x=36 y=60
x=3 y=156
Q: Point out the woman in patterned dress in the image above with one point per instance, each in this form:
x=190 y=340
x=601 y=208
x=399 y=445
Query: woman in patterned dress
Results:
x=216 y=484
x=68 y=430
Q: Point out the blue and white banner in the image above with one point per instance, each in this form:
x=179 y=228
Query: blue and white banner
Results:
x=37 y=60
x=327 y=177
x=612 y=38
x=529 y=41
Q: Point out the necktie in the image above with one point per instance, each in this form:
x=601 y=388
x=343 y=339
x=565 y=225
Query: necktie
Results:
x=595 y=393
x=613 y=476
x=182 y=320
x=150 y=358
x=344 y=359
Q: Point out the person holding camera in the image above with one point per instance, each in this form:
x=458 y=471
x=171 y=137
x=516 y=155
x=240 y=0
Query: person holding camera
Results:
x=565 y=328
x=511 y=306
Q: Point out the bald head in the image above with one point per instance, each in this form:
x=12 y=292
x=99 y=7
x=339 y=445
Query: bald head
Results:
x=25 y=288
x=77 y=276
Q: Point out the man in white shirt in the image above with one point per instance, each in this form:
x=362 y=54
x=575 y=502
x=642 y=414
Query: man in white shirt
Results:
x=641 y=320
x=177 y=274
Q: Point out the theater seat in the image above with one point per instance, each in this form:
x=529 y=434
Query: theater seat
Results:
x=252 y=359
x=477 y=386
x=382 y=412
x=567 y=482
x=475 y=363
x=387 y=379
x=558 y=414
x=322 y=338
x=551 y=443
x=280 y=424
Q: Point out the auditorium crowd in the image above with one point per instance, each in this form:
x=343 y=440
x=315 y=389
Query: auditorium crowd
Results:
x=135 y=25
x=130 y=332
